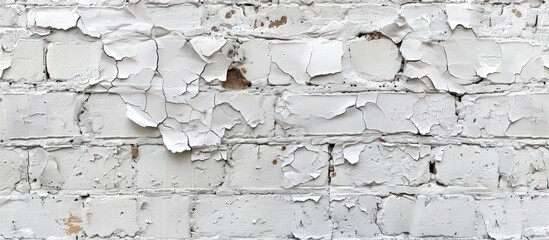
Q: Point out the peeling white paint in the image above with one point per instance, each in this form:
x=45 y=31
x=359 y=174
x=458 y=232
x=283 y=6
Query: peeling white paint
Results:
x=345 y=119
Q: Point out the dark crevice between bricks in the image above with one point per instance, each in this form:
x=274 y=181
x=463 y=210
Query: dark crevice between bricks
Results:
x=371 y=35
x=432 y=168
x=331 y=169
x=331 y=174
x=82 y=110
x=433 y=171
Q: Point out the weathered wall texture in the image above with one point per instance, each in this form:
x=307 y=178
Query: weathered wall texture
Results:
x=277 y=119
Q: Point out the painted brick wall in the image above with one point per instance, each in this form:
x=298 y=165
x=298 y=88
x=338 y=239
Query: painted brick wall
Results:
x=309 y=119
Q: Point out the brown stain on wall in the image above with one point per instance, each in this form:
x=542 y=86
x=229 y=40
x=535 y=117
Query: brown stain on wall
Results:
x=373 y=36
x=230 y=14
x=517 y=13
x=73 y=224
x=279 y=22
x=135 y=151
x=235 y=80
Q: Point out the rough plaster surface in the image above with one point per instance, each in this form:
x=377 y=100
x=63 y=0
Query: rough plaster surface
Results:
x=309 y=119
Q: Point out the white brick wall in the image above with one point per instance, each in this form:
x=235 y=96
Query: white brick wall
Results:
x=275 y=119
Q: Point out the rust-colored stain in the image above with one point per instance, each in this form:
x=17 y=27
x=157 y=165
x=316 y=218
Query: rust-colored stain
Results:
x=275 y=161
x=279 y=22
x=73 y=224
x=517 y=13
x=235 y=80
x=135 y=151
x=332 y=174
x=230 y=14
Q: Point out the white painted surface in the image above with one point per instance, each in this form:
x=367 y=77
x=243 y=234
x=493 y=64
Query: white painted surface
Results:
x=309 y=119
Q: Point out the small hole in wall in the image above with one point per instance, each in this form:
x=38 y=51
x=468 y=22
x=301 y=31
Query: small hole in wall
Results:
x=235 y=80
x=275 y=161
x=370 y=36
x=432 y=168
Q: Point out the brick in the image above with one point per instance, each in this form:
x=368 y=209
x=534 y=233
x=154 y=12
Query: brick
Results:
x=376 y=16
x=514 y=216
x=184 y=18
x=13 y=170
x=252 y=216
x=354 y=216
x=12 y=17
x=254 y=114
x=164 y=217
x=290 y=62
x=449 y=216
x=177 y=171
x=377 y=59
x=33 y=217
x=257 y=62
x=74 y=61
x=262 y=168
x=83 y=168
x=255 y=167
x=470 y=166
x=111 y=216
x=383 y=164
x=42 y=114
x=105 y=116
x=340 y=114
x=503 y=218
x=280 y=20
x=27 y=64
x=516 y=115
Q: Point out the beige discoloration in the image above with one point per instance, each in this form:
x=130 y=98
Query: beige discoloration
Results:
x=230 y=14
x=517 y=13
x=277 y=23
x=135 y=151
x=73 y=224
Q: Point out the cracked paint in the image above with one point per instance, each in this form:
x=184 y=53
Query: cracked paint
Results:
x=284 y=119
x=353 y=114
